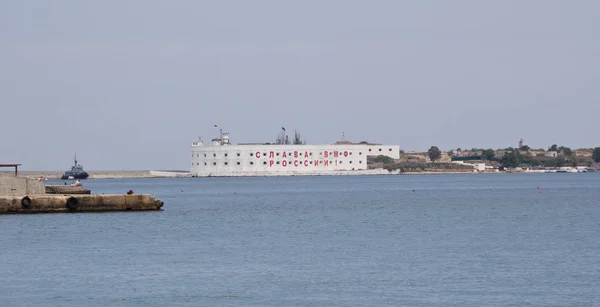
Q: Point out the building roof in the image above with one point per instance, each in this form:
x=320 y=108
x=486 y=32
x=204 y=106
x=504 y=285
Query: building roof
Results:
x=9 y=165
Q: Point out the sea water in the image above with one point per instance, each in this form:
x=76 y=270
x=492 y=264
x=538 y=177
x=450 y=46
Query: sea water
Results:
x=426 y=240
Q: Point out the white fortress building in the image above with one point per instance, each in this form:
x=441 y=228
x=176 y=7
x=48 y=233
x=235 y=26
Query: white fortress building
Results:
x=222 y=159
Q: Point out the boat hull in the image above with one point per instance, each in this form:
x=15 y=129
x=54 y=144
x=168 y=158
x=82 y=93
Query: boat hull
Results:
x=67 y=176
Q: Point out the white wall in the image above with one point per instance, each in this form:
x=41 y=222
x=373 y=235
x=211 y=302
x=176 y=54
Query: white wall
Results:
x=235 y=160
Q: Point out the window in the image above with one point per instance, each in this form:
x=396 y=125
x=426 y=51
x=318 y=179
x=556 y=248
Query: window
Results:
x=238 y=154
x=225 y=154
x=197 y=163
x=390 y=149
x=350 y=153
x=360 y=153
x=350 y=162
x=379 y=149
x=369 y=149
x=238 y=163
x=204 y=163
x=214 y=155
x=360 y=161
x=251 y=154
x=265 y=163
x=225 y=163
x=277 y=154
x=251 y=163
x=277 y=162
x=214 y=163
x=205 y=155
x=341 y=162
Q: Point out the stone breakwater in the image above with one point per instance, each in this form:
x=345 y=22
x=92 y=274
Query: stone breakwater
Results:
x=78 y=203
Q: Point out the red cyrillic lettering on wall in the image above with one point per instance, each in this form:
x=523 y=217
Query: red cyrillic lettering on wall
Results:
x=326 y=154
x=316 y=163
x=305 y=162
x=284 y=163
x=295 y=162
x=326 y=163
x=306 y=154
x=257 y=154
x=345 y=153
x=335 y=154
x=271 y=163
x=271 y=154
x=284 y=155
x=295 y=154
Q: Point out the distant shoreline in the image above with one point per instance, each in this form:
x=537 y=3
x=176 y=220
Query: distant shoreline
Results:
x=55 y=175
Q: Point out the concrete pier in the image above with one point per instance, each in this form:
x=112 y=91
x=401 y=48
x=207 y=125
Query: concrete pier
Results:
x=66 y=189
x=78 y=203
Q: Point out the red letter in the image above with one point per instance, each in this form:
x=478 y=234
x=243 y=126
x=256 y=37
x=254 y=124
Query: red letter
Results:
x=257 y=154
x=305 y=162
x=306 y=154
x=271 y=163
x=295 y=154
x=284 y=163
x=335 y=154
x=295 y=162
x=326 y=163
x=316 y=163
x=271 y=154
x=284 y=155
x=345 y=153
x=326 y=154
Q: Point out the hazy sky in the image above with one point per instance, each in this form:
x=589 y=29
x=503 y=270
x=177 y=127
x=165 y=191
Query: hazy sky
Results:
x=130 y=84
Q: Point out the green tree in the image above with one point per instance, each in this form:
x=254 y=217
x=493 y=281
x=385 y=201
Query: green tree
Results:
x=383 y=159
x=488 y=154
x=510 y=159
x=534 y=163
x=434 y=153
x=566 y=151
x=525 y=148
x=596 y=155
x=554 y=147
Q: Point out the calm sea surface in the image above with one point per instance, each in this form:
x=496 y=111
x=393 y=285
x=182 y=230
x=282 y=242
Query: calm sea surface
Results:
x=428 y=240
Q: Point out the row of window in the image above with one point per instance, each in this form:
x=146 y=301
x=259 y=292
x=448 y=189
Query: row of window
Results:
x=289 y=154
x=279 y=162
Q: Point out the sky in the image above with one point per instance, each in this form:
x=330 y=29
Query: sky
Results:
x=129 y=84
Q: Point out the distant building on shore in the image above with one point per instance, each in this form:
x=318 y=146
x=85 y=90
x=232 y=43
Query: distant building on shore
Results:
x=221 y=158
